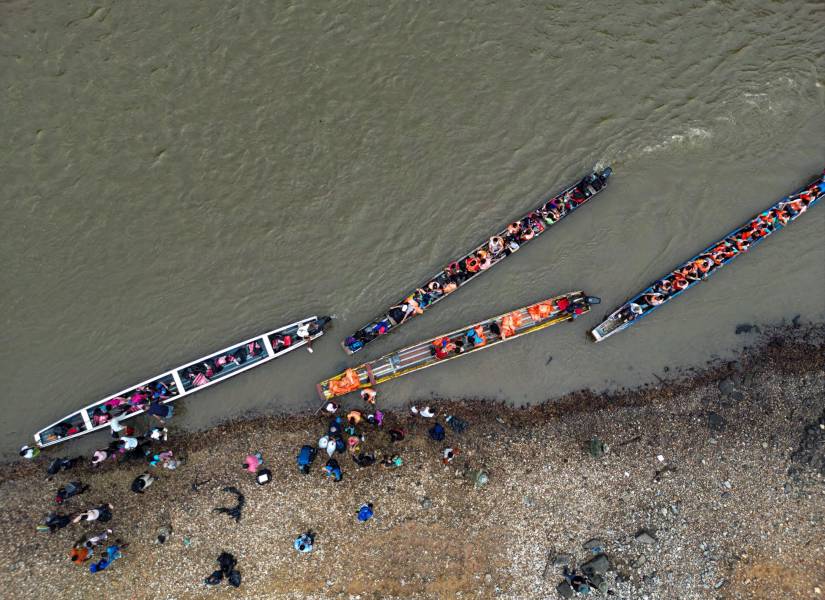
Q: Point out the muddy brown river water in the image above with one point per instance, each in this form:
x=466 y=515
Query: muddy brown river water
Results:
x=179 y=176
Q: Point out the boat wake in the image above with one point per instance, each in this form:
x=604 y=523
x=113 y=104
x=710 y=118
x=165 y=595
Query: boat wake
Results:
x=692 y=138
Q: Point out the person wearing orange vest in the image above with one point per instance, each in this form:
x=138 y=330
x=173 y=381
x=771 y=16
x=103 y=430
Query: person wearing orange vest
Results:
x=475 y=337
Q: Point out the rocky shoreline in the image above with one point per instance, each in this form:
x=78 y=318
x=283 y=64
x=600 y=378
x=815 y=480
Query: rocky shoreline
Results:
x=709 y=485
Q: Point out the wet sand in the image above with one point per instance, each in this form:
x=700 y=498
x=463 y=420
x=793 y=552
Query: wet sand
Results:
x=735 y=505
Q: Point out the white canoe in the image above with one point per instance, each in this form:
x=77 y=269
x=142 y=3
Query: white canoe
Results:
x=177 y=383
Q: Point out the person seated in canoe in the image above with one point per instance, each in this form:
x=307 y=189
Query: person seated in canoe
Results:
x=631 y=312
x=654 y=298
x=459 y=346
x=702 y=266
x=527 y=234
x=541 y=310
x=442 y=347
x=435 y=290
x=689 y=272
x=100 y=415
x=510 y=322
x=550 y=212
x=161 y=391
x=485 y=262
x=472 y=265
x=137 y=399
x=495 y=245
x=475 y=337
x=577 y=306
x=536 y=222
x=381 y=327
x=114 y=403
x=197 y=375
x=780 y=217
x=577 y=194
x=281 y=341
x=224 y=361
x=407 y=309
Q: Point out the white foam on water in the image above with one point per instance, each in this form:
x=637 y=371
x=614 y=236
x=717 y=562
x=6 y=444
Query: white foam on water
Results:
x=694 y=136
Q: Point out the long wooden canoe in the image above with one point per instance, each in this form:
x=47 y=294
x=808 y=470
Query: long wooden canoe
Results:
x=423 y=354
x=463 y=270
x=711 y=259
x=183 y=381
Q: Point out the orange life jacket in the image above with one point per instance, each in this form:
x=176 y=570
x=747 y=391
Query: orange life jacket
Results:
x=509 y=323
x=472 y=265
x=347 y=383
x=703 y=264
x=541 y=311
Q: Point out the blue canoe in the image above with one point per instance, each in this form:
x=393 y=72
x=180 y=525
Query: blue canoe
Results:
x=711 y=259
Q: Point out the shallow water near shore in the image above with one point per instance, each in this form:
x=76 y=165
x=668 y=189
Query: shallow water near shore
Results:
x=177 y=178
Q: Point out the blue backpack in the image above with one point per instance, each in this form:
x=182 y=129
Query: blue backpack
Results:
x=306 y=456
x=437 y=432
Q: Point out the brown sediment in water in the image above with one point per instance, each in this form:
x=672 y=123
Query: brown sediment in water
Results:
x=735 y=504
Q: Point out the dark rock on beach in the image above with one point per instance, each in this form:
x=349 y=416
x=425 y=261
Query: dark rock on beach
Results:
x=598 y=565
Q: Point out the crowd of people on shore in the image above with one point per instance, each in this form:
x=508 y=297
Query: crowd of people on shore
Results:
x=127 y=446
x=738 y=242
x=362 y=436
x=491 y=252
x=358 y=436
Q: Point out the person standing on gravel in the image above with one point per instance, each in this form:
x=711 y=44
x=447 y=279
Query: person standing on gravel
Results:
x=303 y=543
x=305 y=457
x=102 y=513
x=73 y=488
x=333 y=470
x=141 y=482
x=425 y=412
x=113 y=552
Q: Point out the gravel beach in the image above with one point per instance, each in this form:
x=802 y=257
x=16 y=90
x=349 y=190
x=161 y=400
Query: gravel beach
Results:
x=710 y=486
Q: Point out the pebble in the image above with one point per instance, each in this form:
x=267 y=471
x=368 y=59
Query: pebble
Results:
x=643 y=536
x=598 y=565
x=426 y=503
x=593 y=543
x=726 y=386
x=716 y=421
x=562 y=560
